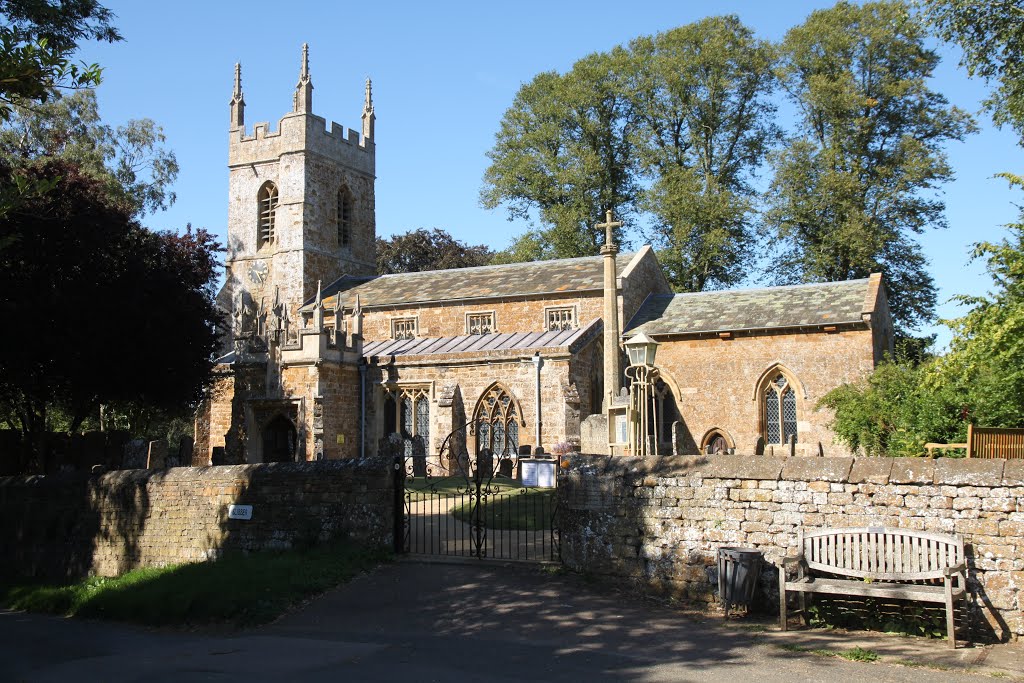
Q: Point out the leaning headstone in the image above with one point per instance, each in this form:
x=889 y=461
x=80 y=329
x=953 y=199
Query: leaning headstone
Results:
x=505 y=467
x=157 y=457
x=135 y=452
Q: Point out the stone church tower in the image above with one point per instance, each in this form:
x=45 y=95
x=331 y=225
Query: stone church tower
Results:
x=300 y=207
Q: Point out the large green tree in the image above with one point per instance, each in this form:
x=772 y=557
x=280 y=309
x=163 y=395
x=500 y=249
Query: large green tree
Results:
x=105 y=310
x=991 y=34
x=701 y=98
x=423 y=249
x=37 y=41
x=563 y=153
x=132 y=159
x=858 y=181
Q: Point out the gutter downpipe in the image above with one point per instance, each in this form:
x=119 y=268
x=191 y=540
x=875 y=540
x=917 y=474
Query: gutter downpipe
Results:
x=537 y=363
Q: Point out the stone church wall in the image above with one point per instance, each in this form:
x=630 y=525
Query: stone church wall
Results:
x=516 y=373
x=659 y=522
x=717 y=382
x=68 y=526
x=448 y=319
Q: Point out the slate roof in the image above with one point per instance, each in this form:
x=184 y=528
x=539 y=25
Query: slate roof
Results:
x=830 y=303
x=508 y=280
x=498 y=341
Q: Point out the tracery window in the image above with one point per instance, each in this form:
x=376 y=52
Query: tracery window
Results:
x=267 y=202
x=407 y=412
x=560 y=318
x=779 y=403
x=480 y=323
x=497 y=423
x=344 y=217
x=403 y=328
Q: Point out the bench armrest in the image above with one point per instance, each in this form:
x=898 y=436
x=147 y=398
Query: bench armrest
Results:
x=955 y=570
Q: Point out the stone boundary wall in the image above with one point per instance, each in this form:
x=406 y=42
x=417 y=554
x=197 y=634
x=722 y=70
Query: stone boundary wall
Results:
x=660 y=521
x=73 y=525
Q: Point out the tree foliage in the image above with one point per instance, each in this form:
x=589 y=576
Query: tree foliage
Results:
x=858 y=181
x=986 y=355
x=902 y=405
x=131 y=158
x=897 y=410
x=564 y=150
x=671 y=127
x=99 y=308
x=991 y=34
x=423 y=249
x=37 y=39
x=700 y=95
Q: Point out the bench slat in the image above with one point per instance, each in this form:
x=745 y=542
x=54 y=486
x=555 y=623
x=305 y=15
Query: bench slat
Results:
x=895 y=591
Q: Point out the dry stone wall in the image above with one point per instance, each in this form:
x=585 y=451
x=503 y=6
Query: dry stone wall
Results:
x=66 y=526
x=661 y=521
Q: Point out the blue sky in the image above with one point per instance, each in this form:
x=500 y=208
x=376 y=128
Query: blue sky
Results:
x=443 y=75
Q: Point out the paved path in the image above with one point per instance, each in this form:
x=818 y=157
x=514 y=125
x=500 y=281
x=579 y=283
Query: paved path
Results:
x=471 y=622
x=434 y=530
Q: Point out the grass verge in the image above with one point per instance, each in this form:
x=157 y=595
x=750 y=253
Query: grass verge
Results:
x=238 y=589
x=523 y=509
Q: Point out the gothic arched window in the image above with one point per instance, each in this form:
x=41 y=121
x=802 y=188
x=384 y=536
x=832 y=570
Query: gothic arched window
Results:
x=497 y=422
x=345 y=211
x=779 y=405
x=407 y=412
x=267 y=201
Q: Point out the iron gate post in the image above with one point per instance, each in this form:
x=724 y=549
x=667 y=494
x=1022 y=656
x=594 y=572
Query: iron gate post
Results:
x=399 y=504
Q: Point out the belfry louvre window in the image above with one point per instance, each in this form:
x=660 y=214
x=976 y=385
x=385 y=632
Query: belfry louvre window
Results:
x=779 y=411
x=479 y=323
x=560 y=318
x=403 y=328
x=344 y=218
x=267 y=200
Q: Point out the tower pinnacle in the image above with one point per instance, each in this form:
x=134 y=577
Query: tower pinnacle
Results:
x=304 y=88
x=237 y=101
x=369 y=118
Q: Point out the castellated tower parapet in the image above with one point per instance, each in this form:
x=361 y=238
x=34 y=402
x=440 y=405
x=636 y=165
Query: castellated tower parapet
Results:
x=301 y=206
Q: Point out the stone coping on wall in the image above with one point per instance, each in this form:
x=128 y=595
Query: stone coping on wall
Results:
x=214 y=472
x=872 y=470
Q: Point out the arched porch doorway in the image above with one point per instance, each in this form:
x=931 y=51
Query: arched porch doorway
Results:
x=279 y=439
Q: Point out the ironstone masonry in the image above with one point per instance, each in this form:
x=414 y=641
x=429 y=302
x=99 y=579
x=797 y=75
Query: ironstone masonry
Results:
x=325 y=359
x=659 y=522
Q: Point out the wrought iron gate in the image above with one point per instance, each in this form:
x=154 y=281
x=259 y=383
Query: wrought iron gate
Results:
x=473 y=508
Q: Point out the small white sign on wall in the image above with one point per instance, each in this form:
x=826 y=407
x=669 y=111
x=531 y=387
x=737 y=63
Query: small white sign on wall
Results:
x=239 y=511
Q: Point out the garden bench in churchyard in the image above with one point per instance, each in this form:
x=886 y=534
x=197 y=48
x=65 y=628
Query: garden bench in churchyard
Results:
x=900 y=564
x=986 y=442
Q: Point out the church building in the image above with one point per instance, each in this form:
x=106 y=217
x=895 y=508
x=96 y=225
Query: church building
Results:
x=327 y=359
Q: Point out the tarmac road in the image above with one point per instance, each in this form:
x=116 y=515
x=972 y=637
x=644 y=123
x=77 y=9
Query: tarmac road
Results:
x=412 y=621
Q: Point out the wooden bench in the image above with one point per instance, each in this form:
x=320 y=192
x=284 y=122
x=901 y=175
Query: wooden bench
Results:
x=899 y=564
x=985 y=442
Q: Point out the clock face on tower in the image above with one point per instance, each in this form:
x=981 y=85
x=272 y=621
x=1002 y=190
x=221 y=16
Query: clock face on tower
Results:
x=258 y=272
